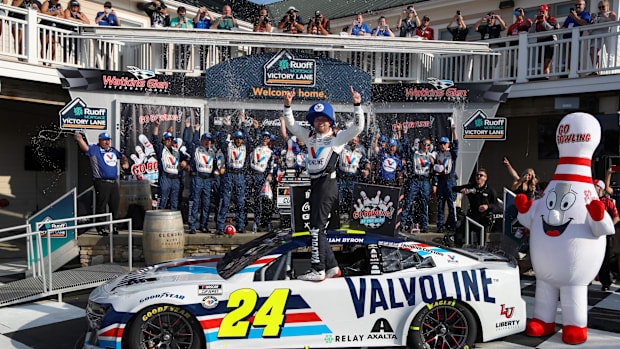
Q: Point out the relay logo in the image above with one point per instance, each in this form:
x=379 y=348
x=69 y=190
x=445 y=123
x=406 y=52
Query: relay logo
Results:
x=77 y=115
x=285 y=70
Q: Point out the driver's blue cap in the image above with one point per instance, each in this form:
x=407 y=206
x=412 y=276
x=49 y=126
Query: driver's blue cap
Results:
x=168 y=135
x=206 y=136
x=104 y=136
x=238 y=134
x=383 y=139
x=321 y=109
x=266 y=134
x=444 y=140
x=392 y=142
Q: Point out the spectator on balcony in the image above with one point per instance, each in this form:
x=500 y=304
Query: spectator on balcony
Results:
x=492 y=27
x=382 y=29
x=408 y=22
x=604 y=15
x=544 y=22
x=48 y=43
x=291 y=23
x=158 y=13
x=521 y=24
x=107 y=16
x=577 y=17
x=203 y=19
x=73 y=13
x=262 y=22
x=318 y=25
x=227 y=21
x=459 y=33
x=424 y=30
x=182 y=21
x=24 y=4
x=358 y=28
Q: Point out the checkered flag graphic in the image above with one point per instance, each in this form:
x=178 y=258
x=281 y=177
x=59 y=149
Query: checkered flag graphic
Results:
x=139 y=73
x=440 y=84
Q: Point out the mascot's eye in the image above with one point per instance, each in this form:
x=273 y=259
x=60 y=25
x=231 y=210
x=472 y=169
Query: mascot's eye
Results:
x=567 y=201
x=551 y=200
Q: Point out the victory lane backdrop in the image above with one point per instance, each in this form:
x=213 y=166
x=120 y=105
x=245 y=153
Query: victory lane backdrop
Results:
x=137 y=126
x=432 y=125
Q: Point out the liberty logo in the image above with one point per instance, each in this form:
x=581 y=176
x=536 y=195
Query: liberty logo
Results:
x=508 y=312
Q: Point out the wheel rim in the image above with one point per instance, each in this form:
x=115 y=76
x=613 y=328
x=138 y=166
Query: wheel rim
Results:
x=444 y=327
x=166 y=330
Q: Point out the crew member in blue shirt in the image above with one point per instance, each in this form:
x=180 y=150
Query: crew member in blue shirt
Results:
x=170 y=165
x=204 y=171
x=445 y=172
x=107 y=16
x=103 y=164
x=390 y=166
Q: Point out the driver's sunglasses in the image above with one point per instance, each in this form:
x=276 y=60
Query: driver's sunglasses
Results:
x=426 y=144
x=480 y=175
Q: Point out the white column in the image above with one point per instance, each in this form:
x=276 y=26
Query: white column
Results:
x=32 y=37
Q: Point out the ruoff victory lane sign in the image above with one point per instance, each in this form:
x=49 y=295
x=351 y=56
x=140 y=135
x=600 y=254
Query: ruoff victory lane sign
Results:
x=76 y=115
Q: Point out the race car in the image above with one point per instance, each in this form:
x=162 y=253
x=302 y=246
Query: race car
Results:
x=394 y=291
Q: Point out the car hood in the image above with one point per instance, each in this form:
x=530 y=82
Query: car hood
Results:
x=176 y=271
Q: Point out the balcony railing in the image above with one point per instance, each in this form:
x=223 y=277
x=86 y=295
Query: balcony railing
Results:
x=43 y=40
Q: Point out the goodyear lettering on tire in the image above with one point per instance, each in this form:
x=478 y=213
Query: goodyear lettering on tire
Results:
x=163 y=308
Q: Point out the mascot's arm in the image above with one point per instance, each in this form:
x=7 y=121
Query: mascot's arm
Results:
x=524 y=206
x=598 y=219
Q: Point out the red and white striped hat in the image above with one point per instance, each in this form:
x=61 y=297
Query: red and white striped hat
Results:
x=577 y=136
x=599 y=183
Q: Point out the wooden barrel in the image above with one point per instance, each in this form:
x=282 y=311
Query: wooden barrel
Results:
x=162 y=236
x=132 y=193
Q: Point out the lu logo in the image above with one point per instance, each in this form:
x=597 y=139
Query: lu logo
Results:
x=508 y=312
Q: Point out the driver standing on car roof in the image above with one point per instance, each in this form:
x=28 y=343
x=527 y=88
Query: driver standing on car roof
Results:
x=325 y=146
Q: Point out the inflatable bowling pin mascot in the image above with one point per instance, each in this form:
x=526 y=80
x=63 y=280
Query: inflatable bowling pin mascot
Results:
x=567 y=232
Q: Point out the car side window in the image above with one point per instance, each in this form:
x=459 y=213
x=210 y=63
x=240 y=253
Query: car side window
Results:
x=397 y=259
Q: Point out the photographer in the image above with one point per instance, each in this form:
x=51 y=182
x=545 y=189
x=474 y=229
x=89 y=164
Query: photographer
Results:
x=544 y=22
x=382 y=29
x=157 y=12
x=576 y=17
x=262 y=22
x=482 y=203
x=201 y=21
x=460 y=32
x=492 y=27
x=408 y=22
x=291 y=23
x=358 y=28
x=521 y=24
x=319 y=25
x=226 y=20
x=181 y=21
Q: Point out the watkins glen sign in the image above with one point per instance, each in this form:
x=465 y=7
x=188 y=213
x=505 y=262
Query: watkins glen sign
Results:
x=285 y=70
x=142 y=80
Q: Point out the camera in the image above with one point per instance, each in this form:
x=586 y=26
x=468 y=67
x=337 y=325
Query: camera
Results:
x=571 y=10
x=158 y=8
x=458 y=12
x=409 y=10
x=291 y=16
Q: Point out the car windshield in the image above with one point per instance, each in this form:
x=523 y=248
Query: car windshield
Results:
x=249 y=253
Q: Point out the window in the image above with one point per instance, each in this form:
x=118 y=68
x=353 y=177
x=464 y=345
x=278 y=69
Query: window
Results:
x=126 y=23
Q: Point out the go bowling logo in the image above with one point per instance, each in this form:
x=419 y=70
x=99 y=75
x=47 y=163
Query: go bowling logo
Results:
x=374 y=212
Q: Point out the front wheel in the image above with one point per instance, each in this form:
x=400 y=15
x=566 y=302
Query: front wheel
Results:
x=444 y=324
x=164 y=326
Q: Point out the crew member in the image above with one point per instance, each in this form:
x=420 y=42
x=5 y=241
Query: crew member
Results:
x=325 y=146
x=235 y=154
x=103 y=164
x=482 y=203
x=169 y=166
x=419 y=182
x=610 y=207
x=389 y=165
x=261 y=165
x=204 y=171
x=352 y=164
x=445 y=172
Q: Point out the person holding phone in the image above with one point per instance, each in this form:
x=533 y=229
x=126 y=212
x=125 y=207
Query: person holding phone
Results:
x=544 y=22
x=203 y=19
x=490 y=26
x=181 y=21
x=358 y=28
x=382 y=28
x=408 y=22
x=460 y=32
x=604 y=15
x=520 y=25
x=226 y=20
x=576 y=17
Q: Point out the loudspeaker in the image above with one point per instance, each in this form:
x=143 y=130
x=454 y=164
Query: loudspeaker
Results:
x=506 y=4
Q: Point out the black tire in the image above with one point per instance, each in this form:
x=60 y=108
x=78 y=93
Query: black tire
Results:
x=443 y=324
x=178 y=329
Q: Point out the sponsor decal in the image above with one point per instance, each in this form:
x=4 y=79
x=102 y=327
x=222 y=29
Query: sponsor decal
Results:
x=76 y=115
x=504 y=325
x=145 y=119
x=369 y=295
x=345 y=240
x=452 y=259
x=163 y=295
x=479 y=126
x=413 y=124
x=381 y=330
x=209 y=302
x=285 y=70
x=450 y=302
x=210 y=289
x=142 y=80
x=441 y=90
x=507 y=311
x=45 y=224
